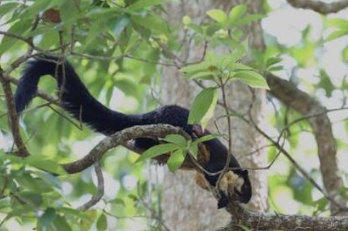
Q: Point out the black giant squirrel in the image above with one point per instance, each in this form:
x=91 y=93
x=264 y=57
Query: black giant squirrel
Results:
x=76 y=99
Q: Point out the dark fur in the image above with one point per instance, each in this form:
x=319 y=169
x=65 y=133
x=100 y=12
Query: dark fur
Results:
x=83 y=106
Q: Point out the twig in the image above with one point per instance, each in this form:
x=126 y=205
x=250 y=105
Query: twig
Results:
x=78 y=126
x=299 y=168
x=100 y=193
x=150 y=61
x=229 y=128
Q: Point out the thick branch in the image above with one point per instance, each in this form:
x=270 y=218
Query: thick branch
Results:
x=319 y=6
x=321 y=125
x=262 y=221
x=121 y=138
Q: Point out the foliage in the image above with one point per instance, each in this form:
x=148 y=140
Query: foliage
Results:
x=121 y=34
x=117 y=46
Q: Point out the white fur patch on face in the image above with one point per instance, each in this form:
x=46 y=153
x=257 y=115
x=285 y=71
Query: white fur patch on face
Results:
x=230 y=182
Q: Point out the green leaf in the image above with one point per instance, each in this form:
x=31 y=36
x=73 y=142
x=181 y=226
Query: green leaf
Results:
x=139 y=5
x=93 y=33
x=49 y=178
x=40 y=6
x=236 y=55
x=194 y=69
x=204 y=75
x=206 y=138
x=5 y=205
x=7 y=8
x=196 y=28
x=28 y=182
x=336 y=34
x=77 y=213
x=239 y=67
x=248 y=19
x=49 y=39
x=126 y=86
x=31 y=198
x=345 y=54
x=176 y=159
x=45 y=164
x=46 y=219
x=236 y=14
x=320 y=205
x=152 y=22
x=176 y=139
x=35 y=8
x=203 y=107
x=19 y=28
x=121 y=24
x=19 y=210
x=339 y=23
x=156 y=151
x=118 y=201
x=69 y=12
x=251 y=79
x=275 y=68
x=218 y=15
x=91 y=217
x=273 y=60
x=102 y=223
x=60 y=223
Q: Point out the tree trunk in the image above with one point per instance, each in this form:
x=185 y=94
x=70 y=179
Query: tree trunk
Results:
x=185 y=205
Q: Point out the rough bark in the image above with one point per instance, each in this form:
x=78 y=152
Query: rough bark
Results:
x=12 y=116
x=121 y=138
x=263 y=221
x=320 y=6
x=186 y=206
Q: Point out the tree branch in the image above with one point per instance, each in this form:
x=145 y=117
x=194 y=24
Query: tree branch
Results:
x=319 y=6
x=262 y=221
x=121 y=138
x=13 y=118
x=301 y=102
x=100 y=193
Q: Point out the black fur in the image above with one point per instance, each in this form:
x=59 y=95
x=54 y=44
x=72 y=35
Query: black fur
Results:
x=76 y=99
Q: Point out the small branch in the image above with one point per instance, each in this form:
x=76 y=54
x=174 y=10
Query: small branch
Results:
x=300 y=101
x=320 y=6
x=150 y=61
x=100 y=193
x=13 y=118
x=300 y=168
x=229 y=127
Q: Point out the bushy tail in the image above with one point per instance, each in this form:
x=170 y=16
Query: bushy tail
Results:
x=74 y=96
x=27 y=86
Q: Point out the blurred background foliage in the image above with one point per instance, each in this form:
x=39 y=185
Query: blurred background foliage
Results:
x=307 y=48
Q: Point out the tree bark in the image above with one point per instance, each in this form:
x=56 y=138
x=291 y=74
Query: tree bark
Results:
x=185 y=205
